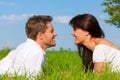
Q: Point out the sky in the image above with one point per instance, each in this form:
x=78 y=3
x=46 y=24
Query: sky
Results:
x=15 y=13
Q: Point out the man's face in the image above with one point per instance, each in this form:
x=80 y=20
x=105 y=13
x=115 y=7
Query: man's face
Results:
x=49 y=36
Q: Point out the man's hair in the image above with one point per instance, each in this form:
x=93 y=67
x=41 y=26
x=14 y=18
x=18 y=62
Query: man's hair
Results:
x=37 y=24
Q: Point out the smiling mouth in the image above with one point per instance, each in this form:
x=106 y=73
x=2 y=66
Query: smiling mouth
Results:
x=53 y=38
x=75 y=37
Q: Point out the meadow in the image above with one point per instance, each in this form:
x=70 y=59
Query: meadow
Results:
x=62 y=65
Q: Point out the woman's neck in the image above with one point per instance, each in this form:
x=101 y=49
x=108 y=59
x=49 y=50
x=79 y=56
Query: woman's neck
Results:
x=91 y=42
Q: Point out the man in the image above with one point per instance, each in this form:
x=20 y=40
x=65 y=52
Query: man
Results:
x=29 y=56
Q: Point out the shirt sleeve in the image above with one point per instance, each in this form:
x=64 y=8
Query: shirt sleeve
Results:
x=99 y=54
x=6 y=62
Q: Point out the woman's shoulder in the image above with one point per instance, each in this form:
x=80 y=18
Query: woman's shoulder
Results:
x=105 y=43
x=101 y=46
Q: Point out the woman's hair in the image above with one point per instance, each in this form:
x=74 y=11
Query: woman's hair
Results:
x=88 y=23
x=37 y=24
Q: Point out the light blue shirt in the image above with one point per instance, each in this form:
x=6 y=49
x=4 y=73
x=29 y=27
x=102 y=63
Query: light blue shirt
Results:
x=27 y=57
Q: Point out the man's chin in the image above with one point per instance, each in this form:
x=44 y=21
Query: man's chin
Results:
x=52 y=45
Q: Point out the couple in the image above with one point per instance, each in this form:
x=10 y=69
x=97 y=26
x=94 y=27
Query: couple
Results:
x=96 y=52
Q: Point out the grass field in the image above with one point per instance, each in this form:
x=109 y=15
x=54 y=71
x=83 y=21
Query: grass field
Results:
x=62 y=65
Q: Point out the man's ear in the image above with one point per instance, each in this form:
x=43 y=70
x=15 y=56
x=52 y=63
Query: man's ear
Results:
x=40 y=35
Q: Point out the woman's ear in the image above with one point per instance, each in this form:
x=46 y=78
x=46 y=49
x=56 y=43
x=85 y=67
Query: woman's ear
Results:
x=86 y=33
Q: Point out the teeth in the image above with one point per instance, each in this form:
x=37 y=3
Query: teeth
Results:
x=74 y=37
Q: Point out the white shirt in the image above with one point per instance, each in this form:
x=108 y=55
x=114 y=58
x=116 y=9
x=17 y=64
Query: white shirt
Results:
x=27 y=57
x=104 y=53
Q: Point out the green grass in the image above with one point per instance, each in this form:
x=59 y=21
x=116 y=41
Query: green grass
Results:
x=4 y=52
x=62 y=65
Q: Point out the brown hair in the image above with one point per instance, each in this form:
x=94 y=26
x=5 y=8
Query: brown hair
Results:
x=37 y=24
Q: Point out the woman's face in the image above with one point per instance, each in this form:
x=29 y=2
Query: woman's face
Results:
x=79 y=35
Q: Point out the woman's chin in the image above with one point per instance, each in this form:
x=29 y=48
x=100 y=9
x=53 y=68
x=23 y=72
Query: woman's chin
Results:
x=76 y=42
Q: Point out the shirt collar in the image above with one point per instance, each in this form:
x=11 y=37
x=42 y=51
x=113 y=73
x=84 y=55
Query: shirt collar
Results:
x=32 y=41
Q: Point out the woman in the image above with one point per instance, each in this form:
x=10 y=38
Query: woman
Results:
x=96 y=52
